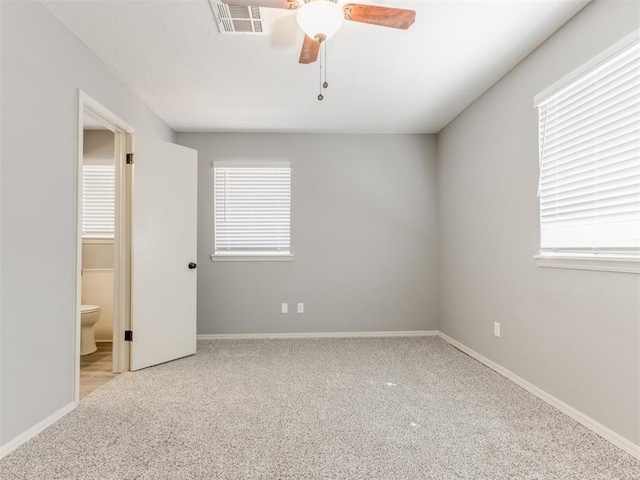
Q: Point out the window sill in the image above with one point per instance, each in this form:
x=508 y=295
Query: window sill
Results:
x=97 y=241
x=590 y=262
x=251 y=257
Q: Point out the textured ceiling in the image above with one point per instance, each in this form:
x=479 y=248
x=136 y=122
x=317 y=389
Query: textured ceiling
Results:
x=382 y=80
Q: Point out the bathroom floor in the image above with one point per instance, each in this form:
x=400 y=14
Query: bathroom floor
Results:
x=96 y=369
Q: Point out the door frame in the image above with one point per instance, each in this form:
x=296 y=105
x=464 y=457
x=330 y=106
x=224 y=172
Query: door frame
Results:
x=123 y=140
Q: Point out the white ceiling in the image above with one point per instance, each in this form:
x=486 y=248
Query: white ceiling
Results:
x=382 y=80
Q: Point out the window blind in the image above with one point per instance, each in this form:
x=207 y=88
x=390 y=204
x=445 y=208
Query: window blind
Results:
x=252 y=208
x=589 y=135
x=98 y=201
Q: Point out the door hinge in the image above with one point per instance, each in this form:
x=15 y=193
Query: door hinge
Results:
x=129 y=158
x=128 y=336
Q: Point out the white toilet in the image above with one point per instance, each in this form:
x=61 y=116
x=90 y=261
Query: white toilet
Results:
x=90 y=314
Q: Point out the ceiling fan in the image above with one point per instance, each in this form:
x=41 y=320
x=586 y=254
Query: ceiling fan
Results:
x=320 y=19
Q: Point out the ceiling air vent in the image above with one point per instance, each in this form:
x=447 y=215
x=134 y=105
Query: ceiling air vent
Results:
x=238 y=20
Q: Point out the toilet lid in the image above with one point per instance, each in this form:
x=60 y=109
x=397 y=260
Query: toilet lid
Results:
x=89 y=308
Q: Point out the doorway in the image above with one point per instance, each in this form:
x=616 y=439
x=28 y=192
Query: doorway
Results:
x=98 y=228
x=154 y=246
x=103 y=246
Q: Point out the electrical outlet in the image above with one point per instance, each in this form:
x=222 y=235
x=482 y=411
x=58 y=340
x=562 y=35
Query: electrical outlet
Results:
x=496 y=329
x=284 y=308
x=301 y=308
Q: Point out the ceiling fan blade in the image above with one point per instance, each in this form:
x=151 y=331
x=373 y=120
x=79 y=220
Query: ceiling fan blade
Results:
x=310 y=49
x=286 y=4
x=383 y=16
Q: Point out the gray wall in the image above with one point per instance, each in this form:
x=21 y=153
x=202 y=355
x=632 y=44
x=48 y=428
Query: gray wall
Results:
x=43 y=65
x=363 y=234
x=572 y=333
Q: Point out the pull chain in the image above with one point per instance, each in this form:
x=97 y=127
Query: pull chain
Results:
x=320 y=96
x=325 y=84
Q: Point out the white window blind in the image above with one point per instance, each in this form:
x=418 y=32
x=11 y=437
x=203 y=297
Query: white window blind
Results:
x=589 y=134
x=252 y=208
x=98 y=201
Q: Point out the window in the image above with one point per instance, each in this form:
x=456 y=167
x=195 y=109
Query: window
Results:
x=252 y=210
x=589 y=140
x=98 y=201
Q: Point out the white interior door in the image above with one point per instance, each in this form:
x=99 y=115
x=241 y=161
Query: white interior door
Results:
x=163 y=235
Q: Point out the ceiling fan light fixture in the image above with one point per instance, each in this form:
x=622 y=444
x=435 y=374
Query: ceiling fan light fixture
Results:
x=320 y=19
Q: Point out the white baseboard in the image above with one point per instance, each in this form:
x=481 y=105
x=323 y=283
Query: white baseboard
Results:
x=619 y=441
x=241 y=336
x=11 y=445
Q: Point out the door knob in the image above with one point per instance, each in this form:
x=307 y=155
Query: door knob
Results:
x=192 y=265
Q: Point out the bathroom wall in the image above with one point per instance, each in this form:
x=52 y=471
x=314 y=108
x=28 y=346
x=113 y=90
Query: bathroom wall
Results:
x=97 y=254
x=97 y=289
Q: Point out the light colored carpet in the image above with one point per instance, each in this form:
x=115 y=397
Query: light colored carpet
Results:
x=387 y=408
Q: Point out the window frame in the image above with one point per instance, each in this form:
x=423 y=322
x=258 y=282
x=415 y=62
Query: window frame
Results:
x=603 y=259
x=251 y=256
